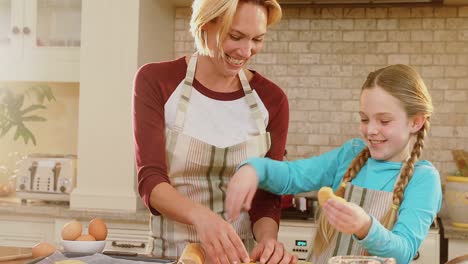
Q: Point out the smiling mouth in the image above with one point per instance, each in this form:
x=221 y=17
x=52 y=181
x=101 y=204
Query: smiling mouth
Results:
x=233 y=61
x=376 y=142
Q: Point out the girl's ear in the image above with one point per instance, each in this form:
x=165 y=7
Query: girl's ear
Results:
x=417 y=122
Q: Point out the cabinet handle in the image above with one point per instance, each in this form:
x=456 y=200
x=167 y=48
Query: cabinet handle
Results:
x=26 y=30
x=15 y=30
x=124 y=245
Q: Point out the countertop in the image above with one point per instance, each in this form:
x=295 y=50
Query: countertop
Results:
x=451 y=232
x=10 y=251
x=13 y=206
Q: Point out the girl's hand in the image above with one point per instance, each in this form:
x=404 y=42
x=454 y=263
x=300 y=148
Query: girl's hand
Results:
x=271 y=251
x=219 y=239
x=240 y=192
x=348 y=218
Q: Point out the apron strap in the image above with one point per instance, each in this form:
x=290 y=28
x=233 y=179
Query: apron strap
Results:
x=253 y=105
x=185 y=94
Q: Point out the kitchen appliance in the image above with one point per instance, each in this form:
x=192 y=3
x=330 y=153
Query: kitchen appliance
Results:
x=297 y=236
x=46 y=177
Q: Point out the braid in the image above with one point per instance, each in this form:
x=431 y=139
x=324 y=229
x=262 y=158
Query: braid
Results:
x=353 y=169
x=390 y=216
x=325 y=230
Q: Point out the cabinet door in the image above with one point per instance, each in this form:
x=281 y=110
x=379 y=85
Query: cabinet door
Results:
x=128 y=240
x=25 y=233
x=52 y=38
x=428 y=252
x=40 y=40
x=11 y=22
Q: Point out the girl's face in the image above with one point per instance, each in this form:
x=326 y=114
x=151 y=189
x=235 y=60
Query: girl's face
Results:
x=385 y=126
x=244 y=39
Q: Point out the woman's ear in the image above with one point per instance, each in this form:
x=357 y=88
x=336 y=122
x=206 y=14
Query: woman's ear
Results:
x=417 y=122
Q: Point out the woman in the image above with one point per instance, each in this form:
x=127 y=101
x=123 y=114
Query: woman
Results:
x=195 y=120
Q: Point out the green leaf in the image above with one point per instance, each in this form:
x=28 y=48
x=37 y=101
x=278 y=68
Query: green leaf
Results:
x=32 y=108
x=5 y=129
x=12 y=115
x=29 y=135
x=17 y=133
x=34 y=118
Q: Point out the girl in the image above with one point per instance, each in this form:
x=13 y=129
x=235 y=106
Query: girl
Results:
x=393 y=197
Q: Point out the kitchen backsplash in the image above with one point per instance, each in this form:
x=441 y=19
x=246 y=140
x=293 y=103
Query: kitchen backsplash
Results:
x=321 y=56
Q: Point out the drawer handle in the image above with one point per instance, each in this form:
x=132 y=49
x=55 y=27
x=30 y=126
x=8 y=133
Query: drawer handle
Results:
x=126 y=245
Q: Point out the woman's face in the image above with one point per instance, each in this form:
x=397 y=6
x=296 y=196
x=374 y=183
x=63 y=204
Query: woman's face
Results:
x=244 y=39
x=384 y=125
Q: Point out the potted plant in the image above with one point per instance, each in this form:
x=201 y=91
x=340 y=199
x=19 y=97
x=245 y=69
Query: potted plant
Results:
x=15 y=114
x=456 y=191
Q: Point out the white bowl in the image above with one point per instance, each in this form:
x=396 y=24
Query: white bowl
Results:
x=83 y=246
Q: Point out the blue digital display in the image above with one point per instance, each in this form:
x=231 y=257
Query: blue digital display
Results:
x=301 y=243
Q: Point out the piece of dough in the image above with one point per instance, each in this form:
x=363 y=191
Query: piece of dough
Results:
x=326 y=193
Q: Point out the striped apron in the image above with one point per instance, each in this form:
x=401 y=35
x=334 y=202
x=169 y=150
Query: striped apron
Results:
x=372 y=202
x=202 y=171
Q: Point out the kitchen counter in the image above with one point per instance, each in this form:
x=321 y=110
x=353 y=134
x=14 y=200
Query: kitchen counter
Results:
x=13 y=206
x=451 y=232
x=11 y=251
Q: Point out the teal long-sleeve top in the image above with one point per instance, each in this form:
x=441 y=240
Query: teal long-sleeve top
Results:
x=421 y=200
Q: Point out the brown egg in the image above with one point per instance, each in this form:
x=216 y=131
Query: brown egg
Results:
x=72 y=230
x=42 y=249
x=85 y=238
x=98 y=229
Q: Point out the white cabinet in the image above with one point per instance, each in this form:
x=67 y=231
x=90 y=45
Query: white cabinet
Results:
x=129 y=238
x=429 y=251
x=457 y=247
x=25 y=231
x=40 y=40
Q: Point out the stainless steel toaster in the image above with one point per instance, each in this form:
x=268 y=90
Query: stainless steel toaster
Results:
x=46 y=177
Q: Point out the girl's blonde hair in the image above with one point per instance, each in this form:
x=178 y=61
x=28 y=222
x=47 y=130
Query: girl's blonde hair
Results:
x=405 y=84
x=205 y=11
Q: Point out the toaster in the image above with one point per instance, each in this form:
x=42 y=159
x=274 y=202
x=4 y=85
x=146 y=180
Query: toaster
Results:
x=46 y=177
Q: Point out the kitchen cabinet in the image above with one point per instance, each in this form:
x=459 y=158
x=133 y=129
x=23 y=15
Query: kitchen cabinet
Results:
x=429 y=251
x=40 y=40
x=457 y=247
x=26 y=231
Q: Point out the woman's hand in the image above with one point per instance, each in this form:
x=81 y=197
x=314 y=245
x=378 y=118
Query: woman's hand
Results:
x=240 y=192
x=348 y=218
x=219 y=239
x=271 y=251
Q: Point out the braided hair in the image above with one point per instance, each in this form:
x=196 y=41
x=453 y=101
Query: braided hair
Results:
x=405 y=84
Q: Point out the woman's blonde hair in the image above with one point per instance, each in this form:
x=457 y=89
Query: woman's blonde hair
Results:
x=405 y=84
x=205 y=11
